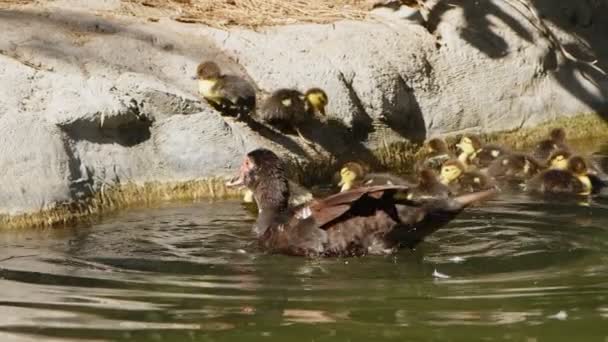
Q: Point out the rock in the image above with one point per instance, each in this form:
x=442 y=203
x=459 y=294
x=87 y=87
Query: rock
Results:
x=90 y=100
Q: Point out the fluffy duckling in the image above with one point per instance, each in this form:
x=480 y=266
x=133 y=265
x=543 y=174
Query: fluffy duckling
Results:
x=555 y=142
x=435 y=154
x=460 y=180
x=288 y=109
x=574 y=180
x=297 y=195
x=474 y=153
x=231 y=95
x=514 y=169
x=558 y=160
x=428 y=187
x=353 y=175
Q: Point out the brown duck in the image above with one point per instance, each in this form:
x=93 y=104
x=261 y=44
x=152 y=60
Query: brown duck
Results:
x=366 y=220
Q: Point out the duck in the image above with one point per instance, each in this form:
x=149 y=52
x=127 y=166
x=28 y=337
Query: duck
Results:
x=476 y=155
x=514 y=169
x=559 y=160
x=362 y=221
x=556 y=141
x=428 y=187
x=230 y=95
x=574 y=180
x=288 y=109
x=455 y=175
x=353 y=174
x=436 y=153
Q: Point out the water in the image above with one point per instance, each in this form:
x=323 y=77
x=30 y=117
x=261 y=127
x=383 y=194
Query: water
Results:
x=515 y=268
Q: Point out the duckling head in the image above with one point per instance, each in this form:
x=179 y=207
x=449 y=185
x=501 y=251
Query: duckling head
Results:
x=317 y=99
x=469 y=144
x=450 y=171
x=578 y=167
x=559 y=160
x=558 y=135
x=437 y=145
x=349 y=174
x=208 y=71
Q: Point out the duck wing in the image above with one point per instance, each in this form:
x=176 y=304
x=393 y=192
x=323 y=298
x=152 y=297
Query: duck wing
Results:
x=335 y=206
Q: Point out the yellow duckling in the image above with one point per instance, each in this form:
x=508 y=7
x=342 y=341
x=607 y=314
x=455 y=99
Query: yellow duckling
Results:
x=574 y=180
x=289 y=109
x=475 y=154
x=435 y=154
x=353 y=175
x=455 y=175
x=555 y=142
x=231 y=95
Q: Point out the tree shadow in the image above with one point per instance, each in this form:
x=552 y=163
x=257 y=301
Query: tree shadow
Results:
x=582 y=18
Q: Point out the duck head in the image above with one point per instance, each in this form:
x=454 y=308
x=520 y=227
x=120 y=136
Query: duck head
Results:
x=263 y=173
x=559 y=160
x=450 y=171
x=469 y=145
x=578 y=167
x=350 y=173
x=317 y=99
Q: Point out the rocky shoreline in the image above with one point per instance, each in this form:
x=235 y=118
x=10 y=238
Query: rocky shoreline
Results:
x=389 y=81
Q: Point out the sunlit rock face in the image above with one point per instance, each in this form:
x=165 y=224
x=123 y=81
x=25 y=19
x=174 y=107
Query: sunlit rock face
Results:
x=90 y=99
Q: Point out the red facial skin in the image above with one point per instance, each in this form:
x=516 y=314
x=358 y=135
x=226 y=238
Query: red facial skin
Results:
x=245 y=168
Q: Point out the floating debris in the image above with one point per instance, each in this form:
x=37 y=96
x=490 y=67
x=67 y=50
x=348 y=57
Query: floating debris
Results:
x=440 y=275
x=562 y=315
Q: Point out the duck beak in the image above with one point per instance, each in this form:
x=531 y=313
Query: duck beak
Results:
x=235 y=181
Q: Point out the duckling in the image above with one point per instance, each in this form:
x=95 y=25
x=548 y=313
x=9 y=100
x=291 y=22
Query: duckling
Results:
x=474 y=153
x=558 y=160
x=353 y=175
x=297 y=195
x=288 y=109
x=428 y=187
x=436 y=153
x=574 y=180
x=231 y=95
x=514 y=168
x=459 y=180
x=555 y=142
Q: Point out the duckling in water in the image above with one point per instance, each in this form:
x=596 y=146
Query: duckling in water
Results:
x=514 y=169
x=367 y=220
x=474 y=153
x=288 y=109
x=574 y=180
x=555 y=142
x=558 y=160
x=231 y=95
x=428 y=187
x=435 y=154
x=353 y=175
x=459 y=180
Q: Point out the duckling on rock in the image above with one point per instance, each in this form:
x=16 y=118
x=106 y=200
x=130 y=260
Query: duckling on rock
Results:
x=460 y=180
x=288 y=109
x=436 y=153
x=555 y=142
x=574 y=180
x=231 y=95
x=367 y=220
x=514 y=169
x=353 y=175
x=474 y=153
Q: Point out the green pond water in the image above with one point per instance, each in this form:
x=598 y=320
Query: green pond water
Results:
x=516 y=268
